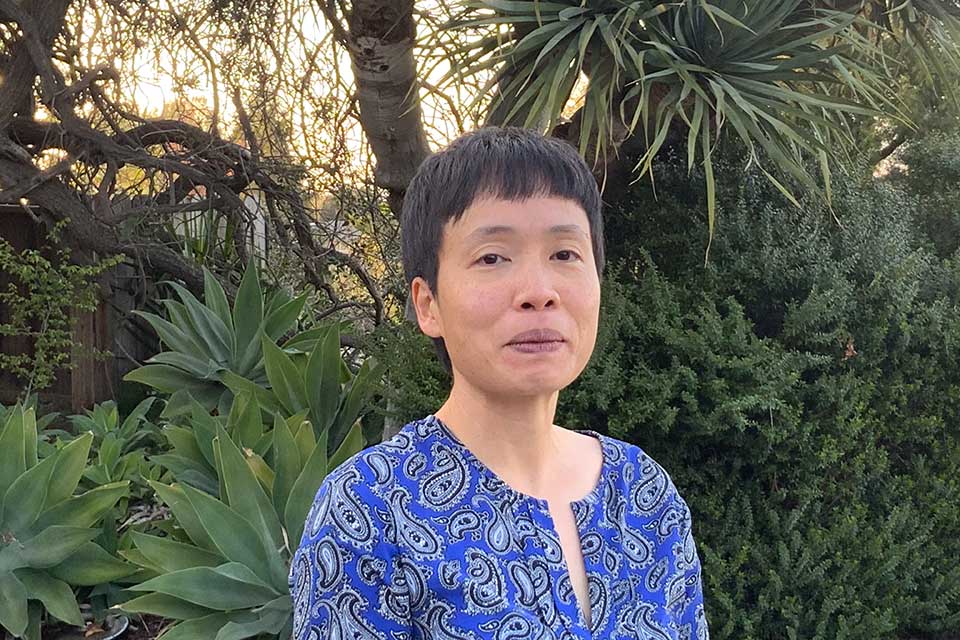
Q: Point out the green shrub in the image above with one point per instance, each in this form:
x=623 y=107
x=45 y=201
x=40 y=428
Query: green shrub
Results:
x=928 y=167
x=802 y=390
x=415 y=383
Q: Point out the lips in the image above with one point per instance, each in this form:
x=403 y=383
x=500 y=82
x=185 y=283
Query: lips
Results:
x=537 y=335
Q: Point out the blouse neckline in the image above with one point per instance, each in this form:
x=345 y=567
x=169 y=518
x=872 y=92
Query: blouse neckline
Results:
x=591 y=498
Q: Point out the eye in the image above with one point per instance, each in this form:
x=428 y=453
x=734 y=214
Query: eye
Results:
x=484 y=257
x=568 y=252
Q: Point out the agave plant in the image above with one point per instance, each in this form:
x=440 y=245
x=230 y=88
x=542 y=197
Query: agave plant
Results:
x=43 y=422
x=316 y=387
x=207 y=339
x=192 y=431
x=223 y=575
x=317 y=383
x=305 y=377
x=46 y=531
x=118 y=447
x=103 y=421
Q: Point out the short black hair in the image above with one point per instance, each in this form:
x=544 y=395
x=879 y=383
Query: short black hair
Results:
x=509 y=163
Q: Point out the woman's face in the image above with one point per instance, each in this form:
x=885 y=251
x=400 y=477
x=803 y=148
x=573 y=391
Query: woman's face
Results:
x=506 y=268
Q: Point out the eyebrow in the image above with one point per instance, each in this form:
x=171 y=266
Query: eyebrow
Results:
x=495 y=230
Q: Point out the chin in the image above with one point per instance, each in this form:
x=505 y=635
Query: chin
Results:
x=537 y=383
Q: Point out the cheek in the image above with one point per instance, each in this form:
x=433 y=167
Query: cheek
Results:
x=586 y=312
x=479 y=303
x=584 y=300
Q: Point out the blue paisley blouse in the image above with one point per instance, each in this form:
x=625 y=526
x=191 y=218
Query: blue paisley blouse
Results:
x=415 y=538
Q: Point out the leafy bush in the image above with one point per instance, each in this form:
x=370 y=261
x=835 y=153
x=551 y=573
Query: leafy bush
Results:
x=929 y=168
x=415 y=383
x=313 y=381
x=39 y=300
x=43 y=422
x=802 y=389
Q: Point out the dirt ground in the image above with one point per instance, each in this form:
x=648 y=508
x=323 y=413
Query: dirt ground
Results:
x=145 y=628
x=141 y=628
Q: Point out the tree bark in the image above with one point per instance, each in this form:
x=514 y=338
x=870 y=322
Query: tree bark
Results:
x=16 y=90
x=380 y=42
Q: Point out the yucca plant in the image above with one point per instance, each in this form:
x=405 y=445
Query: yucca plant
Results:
x=207 y=339
x=785 y=77
x=223 y=574
x=47 y=532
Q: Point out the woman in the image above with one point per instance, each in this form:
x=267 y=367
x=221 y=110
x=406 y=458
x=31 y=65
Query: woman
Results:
x=485 y=519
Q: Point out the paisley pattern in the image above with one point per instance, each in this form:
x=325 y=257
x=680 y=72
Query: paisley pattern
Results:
x=416 y=539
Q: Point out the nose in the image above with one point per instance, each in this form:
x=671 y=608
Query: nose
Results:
x=535 y=289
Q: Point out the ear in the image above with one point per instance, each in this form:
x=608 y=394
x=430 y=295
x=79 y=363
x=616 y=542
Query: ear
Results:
x=425 y=305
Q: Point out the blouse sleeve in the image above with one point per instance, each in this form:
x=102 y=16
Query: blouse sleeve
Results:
x=692 y=617
x=344 y=577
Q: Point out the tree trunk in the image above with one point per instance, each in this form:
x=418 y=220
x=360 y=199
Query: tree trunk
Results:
x=380 y=41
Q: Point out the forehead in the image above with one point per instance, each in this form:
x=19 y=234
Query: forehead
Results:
x=537 y=216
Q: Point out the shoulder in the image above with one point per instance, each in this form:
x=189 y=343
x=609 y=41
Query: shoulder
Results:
x=353 y=501
x=647 y=486
x=387 y=464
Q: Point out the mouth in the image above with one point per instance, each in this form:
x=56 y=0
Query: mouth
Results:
x=536 y=347
x=537 y=340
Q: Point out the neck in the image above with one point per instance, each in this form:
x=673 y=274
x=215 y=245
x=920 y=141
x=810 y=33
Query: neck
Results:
x=515 y=438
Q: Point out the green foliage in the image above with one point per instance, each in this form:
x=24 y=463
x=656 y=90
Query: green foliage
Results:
x=209 y=236
x=415 y=383
x=217 y=354
x=43 y=422
x=40 y=300
x=119 y=452
x=245 y=478
x=929 y=167
x=46 y=531
x=317 y=383
x=330 y=409
x=223 y=574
